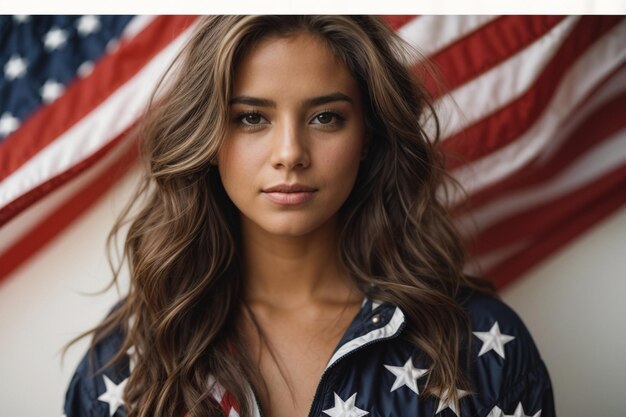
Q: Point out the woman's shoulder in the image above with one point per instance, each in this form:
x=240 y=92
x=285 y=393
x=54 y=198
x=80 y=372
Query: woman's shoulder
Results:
x=485 y=309
x=504 y=360
x=97 y=386
x=497 y=328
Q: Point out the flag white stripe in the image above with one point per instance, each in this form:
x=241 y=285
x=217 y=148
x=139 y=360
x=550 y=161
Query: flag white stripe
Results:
x=502 y=84
x=94 y=131
x=582 y=78
x=136 y=25
x=592 y=165
x=616 y=86
x=429 y=34
x=478 y=265
x=23 y=223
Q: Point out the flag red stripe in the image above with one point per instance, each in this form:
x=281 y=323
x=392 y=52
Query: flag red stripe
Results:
x=604 y=121
x=47 y=229
x=508 y=123
x=562 y=231
x=83 y=95
x=483 y=49
x=397 y=21
x=459 y=66
x=35 y=194
x=534 y=221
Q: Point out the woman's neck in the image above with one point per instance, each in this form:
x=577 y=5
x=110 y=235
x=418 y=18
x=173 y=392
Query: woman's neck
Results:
x=289 y=272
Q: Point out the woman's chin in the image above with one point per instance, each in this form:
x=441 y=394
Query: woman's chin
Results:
x=293 y=225
x=292 y=230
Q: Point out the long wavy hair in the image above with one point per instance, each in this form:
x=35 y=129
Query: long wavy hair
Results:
x=183 y=243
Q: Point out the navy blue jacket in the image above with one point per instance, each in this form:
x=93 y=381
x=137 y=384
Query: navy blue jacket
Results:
x=373 y=372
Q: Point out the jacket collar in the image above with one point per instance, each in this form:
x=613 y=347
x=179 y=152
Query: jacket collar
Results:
x=374 y=321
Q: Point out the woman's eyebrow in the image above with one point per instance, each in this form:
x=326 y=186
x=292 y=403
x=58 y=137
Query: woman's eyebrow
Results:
x=309 y=102
x=329 y=98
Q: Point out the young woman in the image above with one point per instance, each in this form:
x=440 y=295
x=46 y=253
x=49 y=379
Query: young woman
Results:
x=290 y=256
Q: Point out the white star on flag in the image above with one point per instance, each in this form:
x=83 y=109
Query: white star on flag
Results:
x=406 y=375
x=85 y=69
x=114 y=395
x=51 y=90
x=345 y=408
x=8 y=124
x=446 y=402
x=55 y=38
x=15 y=68
x=493 y=340
x=88 y=24
x=112 y=45
x=21 y=18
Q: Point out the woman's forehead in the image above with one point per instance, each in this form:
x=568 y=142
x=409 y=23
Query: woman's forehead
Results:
x=298 y=64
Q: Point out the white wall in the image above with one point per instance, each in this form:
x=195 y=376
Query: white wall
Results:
x=573 y=305
x=43 y=305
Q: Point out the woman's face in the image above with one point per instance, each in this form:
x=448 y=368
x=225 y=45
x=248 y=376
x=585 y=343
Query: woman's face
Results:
x=296 y=136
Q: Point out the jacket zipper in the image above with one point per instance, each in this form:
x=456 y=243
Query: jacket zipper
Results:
x=318 y=392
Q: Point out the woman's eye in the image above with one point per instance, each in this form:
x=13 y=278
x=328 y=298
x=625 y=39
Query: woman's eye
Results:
x=248 y=119
x=328 y=118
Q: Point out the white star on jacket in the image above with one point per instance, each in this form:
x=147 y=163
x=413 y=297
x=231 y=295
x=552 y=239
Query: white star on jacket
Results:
x=345 y=408
x=446 y=402
x=493 y=340
x=54 y=39
x=519 y=412
x=406 y=375
x=114 y=394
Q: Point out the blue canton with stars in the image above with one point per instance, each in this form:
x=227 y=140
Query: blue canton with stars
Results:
x=376 y=372
x=40 y=55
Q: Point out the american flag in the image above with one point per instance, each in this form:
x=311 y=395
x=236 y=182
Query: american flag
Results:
x=534 y=115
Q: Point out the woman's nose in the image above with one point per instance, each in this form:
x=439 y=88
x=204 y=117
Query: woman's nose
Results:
x=290 y=148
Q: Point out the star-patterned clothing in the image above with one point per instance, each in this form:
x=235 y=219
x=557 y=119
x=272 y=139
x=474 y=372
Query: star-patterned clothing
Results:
x=375 y=372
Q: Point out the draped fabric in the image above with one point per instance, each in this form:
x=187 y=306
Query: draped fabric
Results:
x=532 y=119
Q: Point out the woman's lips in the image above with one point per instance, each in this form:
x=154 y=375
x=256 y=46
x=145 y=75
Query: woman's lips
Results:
x=290 y=199
x=289 y=194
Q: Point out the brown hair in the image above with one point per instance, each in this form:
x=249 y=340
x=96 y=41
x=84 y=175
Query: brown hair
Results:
x=183 y=245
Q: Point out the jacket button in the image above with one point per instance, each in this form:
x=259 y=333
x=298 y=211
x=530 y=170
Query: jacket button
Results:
x=376 y=318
